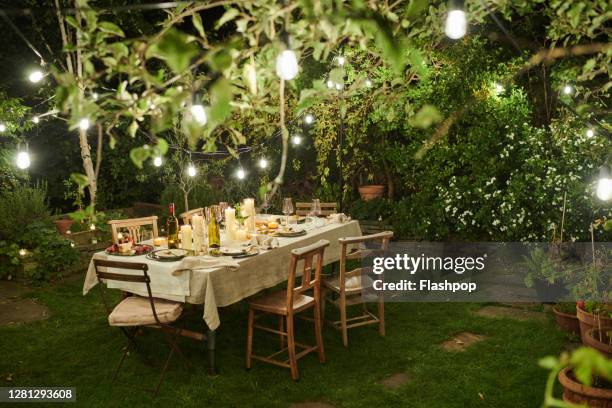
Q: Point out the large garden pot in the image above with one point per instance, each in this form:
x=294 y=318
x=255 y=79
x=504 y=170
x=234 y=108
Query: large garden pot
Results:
x=589 y=321
x=63 y=225
x=549 y=292
x=604 y=346
x=371 y=192
x=567 y=322
x=577 y=393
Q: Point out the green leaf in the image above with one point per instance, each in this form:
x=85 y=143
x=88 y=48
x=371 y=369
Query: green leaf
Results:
x=426 y=116
x=133 y=128
x=549 y=362
x=80 y=180
x=229 y=15
x=415 y=8
x=197 y=23
x=111 y=28
x=162 y=146
x=175 y=49
x=139 y=155
x=72 y=21
x=220 y=98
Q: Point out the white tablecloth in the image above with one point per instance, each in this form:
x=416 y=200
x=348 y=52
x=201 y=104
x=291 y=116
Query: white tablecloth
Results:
x=217 y=282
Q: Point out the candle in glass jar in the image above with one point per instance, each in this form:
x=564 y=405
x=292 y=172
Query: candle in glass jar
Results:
x=186 y=237
x=249 y=213
x=197 y=221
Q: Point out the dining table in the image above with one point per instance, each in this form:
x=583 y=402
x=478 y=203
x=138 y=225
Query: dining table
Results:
x=219 y=281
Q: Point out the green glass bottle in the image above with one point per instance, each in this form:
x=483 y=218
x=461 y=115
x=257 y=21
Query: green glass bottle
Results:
x=172 y=227
x=214 y=233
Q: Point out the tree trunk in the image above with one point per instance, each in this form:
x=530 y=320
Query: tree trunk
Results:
x=88 y=166
x=186 y=200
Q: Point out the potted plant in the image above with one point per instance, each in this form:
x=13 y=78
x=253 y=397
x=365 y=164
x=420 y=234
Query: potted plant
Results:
x=586 y=377
x=63 y=224
x=565 y=316
x=593 y=315
x=600 y=340
x=545 y=275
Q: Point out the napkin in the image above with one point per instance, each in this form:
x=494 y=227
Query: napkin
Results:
x=205 y=262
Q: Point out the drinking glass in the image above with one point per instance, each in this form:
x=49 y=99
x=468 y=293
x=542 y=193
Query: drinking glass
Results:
x=266 y=202
x=287 y=209
x=315 y=210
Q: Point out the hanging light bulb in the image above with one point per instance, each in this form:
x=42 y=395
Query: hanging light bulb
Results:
x=590 y=133
x=240 y=174
x=287 y=65
x=567 y=89
x=263 y=163
x=2 y=127
x=36 y=119
x=157 y=161
x=296 y=140
x=84 y=124
x=604 y=184
x=191 y=170
x=23 y=160
x=309 y=119
x=330 y=83
x=36 y=76
x=341 y=60
x=23 y=252
x=456 y=21
x=199 y=114
x=368 y=83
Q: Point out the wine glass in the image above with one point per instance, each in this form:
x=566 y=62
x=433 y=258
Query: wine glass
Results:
x=266 y=202
x=315 y=210
x=287 y=209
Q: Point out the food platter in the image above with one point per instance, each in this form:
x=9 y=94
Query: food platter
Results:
x=137 y=250
x=168 y=255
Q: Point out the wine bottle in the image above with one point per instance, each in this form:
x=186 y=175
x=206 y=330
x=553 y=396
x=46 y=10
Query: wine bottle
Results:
x=172 y=227
x=214 y=234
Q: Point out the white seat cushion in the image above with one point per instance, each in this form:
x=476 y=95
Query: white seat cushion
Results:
x=136 y=311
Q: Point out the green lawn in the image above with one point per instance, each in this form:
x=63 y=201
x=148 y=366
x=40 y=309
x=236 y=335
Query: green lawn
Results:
x=75 y=347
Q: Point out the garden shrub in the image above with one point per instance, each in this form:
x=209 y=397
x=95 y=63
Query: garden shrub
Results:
x=21 y=206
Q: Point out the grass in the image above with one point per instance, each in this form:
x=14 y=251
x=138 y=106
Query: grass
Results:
x=75 y=347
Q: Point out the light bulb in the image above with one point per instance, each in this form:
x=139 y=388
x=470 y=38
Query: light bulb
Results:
x=368 y=83
x=604 y=188
x=499 y=88
x=84 y=124
x=199 y=114
x=92 y=227
x=23 y=160
x=36 y=76
x=330 y=83
x=2 y=127
x=95 y=96
x=23 y=252
x=341 y=60
x=263 y=163
x=339 y=87
x=36 y=119
x=157 y=161
x=72 y=244
x=240 y=174
x=191 y=170
x=456 y=24
x=567 y=89
x=309 y=119
x=296 y=140
x=287 y=65
x=590 y=133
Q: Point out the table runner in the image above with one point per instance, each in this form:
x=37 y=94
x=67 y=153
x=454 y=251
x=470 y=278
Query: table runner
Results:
x=232 y=280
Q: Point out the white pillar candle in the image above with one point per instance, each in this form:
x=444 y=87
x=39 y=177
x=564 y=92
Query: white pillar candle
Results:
x=197 y=222
x=230 y=223
x=249 y=212
x=186 y=237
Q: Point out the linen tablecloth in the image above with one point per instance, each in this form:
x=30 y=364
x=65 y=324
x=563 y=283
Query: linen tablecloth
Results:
x=218 y=282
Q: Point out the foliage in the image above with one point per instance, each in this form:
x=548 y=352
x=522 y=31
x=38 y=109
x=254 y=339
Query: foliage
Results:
x=21 y=206
x=12 y=113
x=378 y=208
x=10 y=260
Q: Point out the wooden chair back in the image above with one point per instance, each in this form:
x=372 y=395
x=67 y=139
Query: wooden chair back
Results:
x=132 y=225
x=186 y=216
x=326 y=208
x=370 y=246
x=311 y=257
x=123 y=277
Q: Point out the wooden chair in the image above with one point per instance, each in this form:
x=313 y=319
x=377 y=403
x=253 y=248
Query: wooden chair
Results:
x=286 y=304
x=186 y=216
x=134 y=312
x=348 y=285
x=326 y=208
x=132 y=225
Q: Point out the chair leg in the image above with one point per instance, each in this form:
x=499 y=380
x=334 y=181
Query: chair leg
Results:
x=125 y=353
x=281 y=328
x=318 y=332
x=381 y=316
x=163 y=373
x=249 y=351
x=342 y=306
x=291 y=348
x=323 y=302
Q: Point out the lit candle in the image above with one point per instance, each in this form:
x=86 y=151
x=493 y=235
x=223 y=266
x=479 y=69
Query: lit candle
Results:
x=186 y=237
x=230 y=223
x=249 y=213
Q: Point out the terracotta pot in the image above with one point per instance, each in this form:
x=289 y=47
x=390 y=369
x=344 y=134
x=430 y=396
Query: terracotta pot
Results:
x=591 y=339
x=577 y=393
x=371 y=192
x=63 y=225
x=589 y=321
x=566 y=321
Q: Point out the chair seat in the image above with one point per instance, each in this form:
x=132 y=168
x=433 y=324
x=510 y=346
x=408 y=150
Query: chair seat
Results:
x=352 y=286
x=136 y=311
x=277 y=302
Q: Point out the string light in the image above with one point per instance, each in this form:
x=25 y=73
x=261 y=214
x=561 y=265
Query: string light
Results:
x=330 y=83
x=456 y=21
x=23 y=252
x=590 y=133
x=287 y=65
x=72 y=244
x=36 y=76
x=240 y=174
x=157 y=161
x=191 y=170
x=23 y=160
x=95 y=96
x=368 y=83
x=339 y=86
x=567 y=89
x=604 y=184
x=296 y=140
x=199 y=114
x=36 y=119
x=263 y=163
x=2 y=127
x=84 y=124
x=499 y=88
x=92 y=227
x=341 y=60
x=309 y=119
